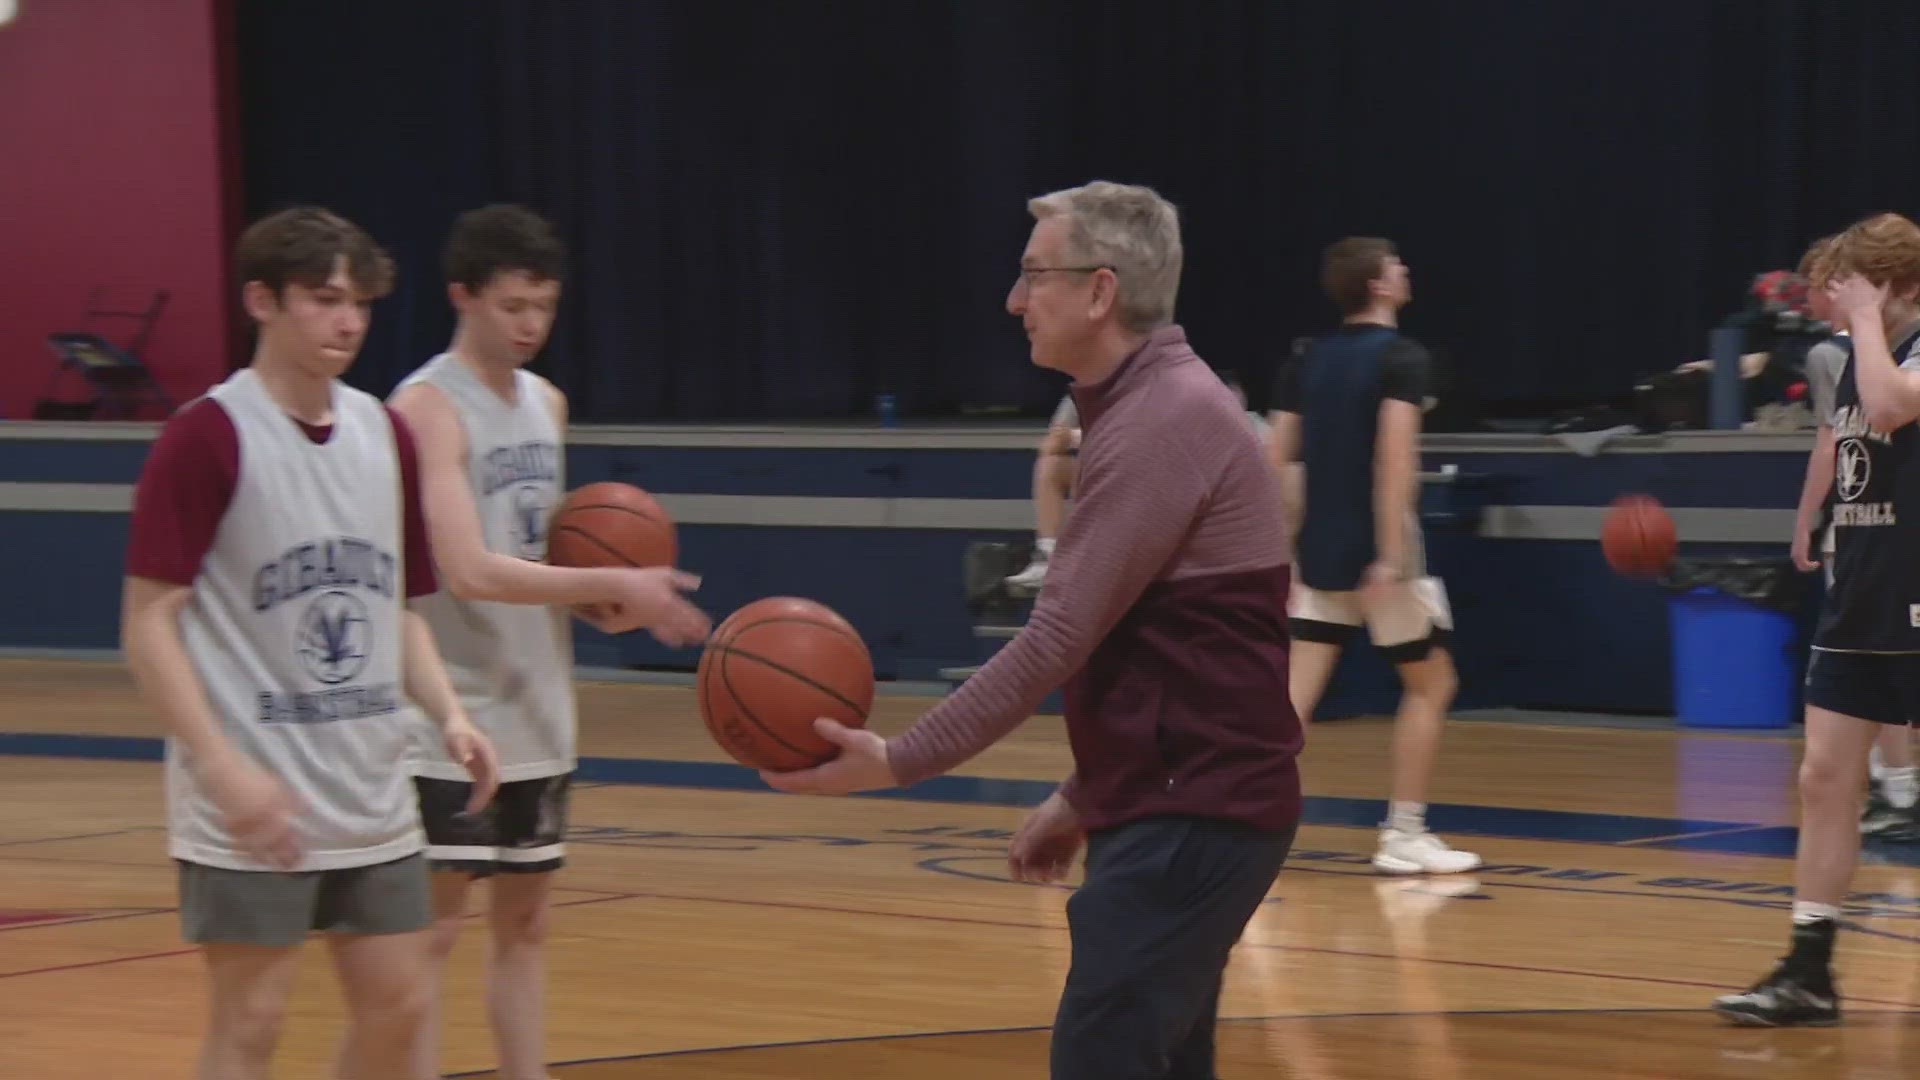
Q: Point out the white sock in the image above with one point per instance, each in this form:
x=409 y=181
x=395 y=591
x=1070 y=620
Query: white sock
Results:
x=1877 y=764
x=1902 y=786
x=1805 y=911
x=1407 y=817
x=1044 y=547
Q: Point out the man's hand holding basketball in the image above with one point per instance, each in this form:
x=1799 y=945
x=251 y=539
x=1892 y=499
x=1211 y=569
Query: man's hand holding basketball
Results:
x=861 y=765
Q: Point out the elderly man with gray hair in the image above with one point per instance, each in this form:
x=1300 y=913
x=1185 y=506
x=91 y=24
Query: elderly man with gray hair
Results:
x=1164 y=617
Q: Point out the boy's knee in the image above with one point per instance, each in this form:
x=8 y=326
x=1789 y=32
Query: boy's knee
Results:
x=1824 y=780
x=1431 y=677
x=524 y=924
x=251 y=1021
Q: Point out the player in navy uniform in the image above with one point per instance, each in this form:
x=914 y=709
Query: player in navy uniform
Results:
x=1894 y=783
x=1347 y=408
x=1865 y=668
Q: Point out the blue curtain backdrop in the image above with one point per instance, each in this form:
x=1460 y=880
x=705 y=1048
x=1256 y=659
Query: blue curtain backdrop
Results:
x=780 y=209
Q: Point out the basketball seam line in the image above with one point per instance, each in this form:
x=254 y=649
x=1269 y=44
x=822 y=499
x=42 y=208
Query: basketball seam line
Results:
x=642 y=515
x=801 y=620
x=744 y=710
x=747 y=712
x=596 y=542
x=785 y=670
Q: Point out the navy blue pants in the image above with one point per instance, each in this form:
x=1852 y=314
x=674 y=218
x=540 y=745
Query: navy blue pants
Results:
x=1164 y=902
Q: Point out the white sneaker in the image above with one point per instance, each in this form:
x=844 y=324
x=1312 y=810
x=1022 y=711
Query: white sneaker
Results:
x=1420 y=853
x=1031 y=577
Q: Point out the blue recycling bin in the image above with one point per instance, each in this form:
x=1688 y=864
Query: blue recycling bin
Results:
x=1734 y=662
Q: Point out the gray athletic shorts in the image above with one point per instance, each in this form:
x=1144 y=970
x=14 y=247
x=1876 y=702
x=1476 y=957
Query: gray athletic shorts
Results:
x=255 y=907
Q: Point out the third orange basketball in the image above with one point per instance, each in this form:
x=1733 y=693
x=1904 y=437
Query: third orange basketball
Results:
x=770 y=670
x=1638 y=537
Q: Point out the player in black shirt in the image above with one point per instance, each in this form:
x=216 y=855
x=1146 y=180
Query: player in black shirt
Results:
x=1347 y=407
x=1865 y=668
x=1893 y=785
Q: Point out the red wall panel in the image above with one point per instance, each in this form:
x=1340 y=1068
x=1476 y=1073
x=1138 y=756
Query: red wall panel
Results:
x=114 y=163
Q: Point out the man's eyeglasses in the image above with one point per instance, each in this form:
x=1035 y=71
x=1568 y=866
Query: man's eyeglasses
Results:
x=1030 y=274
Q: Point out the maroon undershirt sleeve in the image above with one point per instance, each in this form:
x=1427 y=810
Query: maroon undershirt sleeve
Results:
x=189 y=479
x=184 y=488
x=421 y=580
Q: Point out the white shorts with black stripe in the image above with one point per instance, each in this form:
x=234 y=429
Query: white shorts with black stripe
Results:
x=1405 y=623
x=522 y=831
x=1826 y=555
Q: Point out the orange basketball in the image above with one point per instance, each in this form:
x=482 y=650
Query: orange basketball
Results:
x=1638 y=537
x=770 y=670
x=611 y=524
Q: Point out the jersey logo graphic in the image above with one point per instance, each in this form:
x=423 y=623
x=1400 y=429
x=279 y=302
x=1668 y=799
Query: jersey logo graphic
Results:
x=1852 y=467
x=518 y=464
x=338 y=562
x=334 y=637
x=532 y=506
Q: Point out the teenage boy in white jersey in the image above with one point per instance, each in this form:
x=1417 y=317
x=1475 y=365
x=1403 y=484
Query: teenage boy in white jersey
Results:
x=276 y=536
x=492 y=453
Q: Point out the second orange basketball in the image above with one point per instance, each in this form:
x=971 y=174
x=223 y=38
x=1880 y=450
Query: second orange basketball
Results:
x=770 y=670
x=611 y=524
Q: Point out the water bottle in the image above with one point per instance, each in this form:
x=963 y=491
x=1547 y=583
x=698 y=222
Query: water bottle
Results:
x=886 y=405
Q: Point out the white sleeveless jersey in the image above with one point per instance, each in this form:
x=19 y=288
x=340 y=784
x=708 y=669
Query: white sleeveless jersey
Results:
x=294 y=628
x=511 y=664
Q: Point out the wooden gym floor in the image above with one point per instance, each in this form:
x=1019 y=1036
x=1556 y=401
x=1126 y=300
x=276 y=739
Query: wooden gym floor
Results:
x=714 y=929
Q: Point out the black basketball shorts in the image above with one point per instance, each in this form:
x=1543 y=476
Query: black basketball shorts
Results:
x=522 y=831
x=1881 y=687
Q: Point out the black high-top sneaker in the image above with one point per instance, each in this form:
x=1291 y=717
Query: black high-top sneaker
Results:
x=1877 y=809
x=1799 y=992
x=1881 y=820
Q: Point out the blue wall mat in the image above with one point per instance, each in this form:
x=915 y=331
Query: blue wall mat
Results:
x=1540 y=619
x=842 y=473
x=64 y=589
x=1744 y=479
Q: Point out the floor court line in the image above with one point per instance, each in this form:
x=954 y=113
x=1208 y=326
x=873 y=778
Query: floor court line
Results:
x=1004 y=924
x=1692 y=835
x=901 y=1036
x=9 y=928
x=105 y=962
x=1514 y=823
x=600 y=898
x=1306 y=861
x=1487 y=883
x=78 y=836
x=830 y=909
x=62 y=860
x=141 y=913
x=1293 y=867
x=1784 y=904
